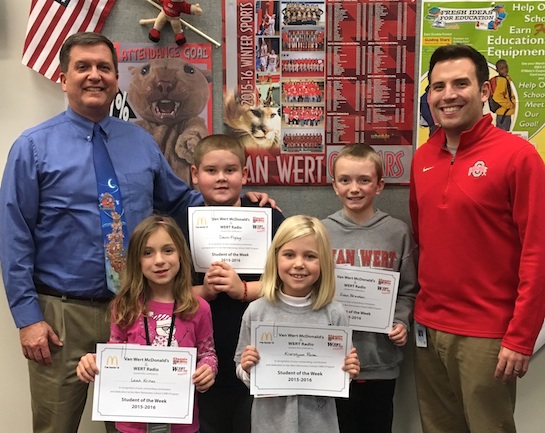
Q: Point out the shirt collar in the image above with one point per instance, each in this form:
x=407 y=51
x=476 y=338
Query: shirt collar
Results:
x=467 y=138
x=85 y=126
x=295 y=301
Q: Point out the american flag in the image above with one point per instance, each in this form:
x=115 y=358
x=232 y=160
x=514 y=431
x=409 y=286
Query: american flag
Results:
x=51 y=22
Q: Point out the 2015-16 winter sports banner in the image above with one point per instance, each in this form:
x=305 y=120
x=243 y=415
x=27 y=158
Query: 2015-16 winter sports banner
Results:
x=302 y=79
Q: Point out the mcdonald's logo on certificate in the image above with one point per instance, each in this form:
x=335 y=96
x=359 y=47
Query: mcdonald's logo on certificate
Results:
x=300 y=359
x=239 y=236
x=266 y=337
x=112 y=360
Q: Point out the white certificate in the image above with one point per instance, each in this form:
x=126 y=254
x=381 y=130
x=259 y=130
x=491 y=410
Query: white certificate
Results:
x=239 y=236
x=540 y=339
x=147 y=384
x=303 y=360
x=368 y=296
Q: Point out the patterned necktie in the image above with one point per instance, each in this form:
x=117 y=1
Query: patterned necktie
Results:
x=112 y=217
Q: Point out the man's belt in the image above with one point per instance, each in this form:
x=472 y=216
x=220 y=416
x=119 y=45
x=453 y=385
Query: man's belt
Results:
x=49 y=291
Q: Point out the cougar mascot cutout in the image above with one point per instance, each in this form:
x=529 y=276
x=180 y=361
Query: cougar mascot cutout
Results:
x=169 y=94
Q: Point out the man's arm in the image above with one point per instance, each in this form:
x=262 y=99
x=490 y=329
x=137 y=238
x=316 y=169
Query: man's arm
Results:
x=263 y=199
x=413 y=204
x=19 y=201
x=526 y=189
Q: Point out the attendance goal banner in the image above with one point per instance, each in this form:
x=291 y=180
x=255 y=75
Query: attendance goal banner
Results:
x=510 y=30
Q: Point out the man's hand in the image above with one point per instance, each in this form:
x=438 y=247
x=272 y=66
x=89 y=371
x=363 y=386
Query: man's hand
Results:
x=35 y=342
x=263 y=199
x=511 y=365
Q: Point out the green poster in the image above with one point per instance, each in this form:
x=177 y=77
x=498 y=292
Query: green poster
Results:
x=513 y=31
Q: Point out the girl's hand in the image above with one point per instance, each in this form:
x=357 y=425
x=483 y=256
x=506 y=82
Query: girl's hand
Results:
x=398 y=334
x=352 y=363
x=87 y=368
x=203 y=378
x=249 y=358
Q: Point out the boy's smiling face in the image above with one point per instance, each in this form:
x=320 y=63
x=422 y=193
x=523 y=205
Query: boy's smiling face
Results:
x=220 y=178
x=356 y=184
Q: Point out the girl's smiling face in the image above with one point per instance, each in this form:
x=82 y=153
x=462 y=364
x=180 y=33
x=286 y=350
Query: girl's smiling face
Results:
x=299 y=266
x=160 y=262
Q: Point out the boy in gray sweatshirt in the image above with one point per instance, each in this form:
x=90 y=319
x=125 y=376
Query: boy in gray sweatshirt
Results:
x=363 y=236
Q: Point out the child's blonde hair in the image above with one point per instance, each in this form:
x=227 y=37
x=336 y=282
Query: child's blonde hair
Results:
x=218 y=142
x=363 y=152
x=295 y=227
x=130 y=303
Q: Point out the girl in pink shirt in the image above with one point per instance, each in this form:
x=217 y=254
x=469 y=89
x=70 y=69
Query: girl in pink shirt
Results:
x=156 y=307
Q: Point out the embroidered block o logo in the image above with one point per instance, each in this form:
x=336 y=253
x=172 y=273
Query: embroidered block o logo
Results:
x=478 y=169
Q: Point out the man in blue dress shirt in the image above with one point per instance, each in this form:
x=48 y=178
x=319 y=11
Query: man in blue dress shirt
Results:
x=52 y=252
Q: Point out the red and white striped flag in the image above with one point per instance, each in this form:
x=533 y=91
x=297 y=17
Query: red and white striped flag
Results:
x=51 y=22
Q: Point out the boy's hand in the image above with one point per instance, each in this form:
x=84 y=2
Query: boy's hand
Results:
x=87 y=368
x=225 y=279
x=208 y=291
x=352 y=363
x=263 y=199
x=249 y=358
x=203 y=378
x=398 y=334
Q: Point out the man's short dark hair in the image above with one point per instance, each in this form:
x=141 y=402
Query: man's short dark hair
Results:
x=461 y=51
x=84 y=38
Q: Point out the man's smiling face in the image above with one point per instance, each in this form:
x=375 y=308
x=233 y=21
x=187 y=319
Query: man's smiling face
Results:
x=455 y=98
x=90 y=82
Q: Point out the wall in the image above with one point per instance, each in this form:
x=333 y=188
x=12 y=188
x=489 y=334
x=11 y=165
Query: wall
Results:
x=28 y=98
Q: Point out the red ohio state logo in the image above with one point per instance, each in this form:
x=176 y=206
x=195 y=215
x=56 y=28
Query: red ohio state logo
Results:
x=479 y=169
